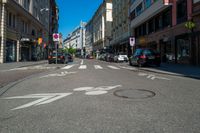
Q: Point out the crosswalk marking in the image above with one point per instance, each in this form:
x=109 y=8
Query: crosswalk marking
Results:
x=98 y=67
x=113 y=67
x=67 y=67
x=83 y=67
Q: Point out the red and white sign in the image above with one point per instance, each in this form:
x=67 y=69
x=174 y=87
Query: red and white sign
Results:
x=167 y=2
x=56 y=37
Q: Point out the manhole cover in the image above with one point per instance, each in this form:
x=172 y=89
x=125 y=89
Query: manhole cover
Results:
x=134 y=93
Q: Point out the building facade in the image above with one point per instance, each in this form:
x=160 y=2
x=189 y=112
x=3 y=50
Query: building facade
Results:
x=89 y=38
x=76 y=39
x=120 y=26
x=196 y=30
x=164 y=29
x=53 y=26
x=102 y=26
x=24 y=30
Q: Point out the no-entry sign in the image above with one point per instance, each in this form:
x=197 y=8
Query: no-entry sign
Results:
x=56 y=37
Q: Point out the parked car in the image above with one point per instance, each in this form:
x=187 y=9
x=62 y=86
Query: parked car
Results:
x=110 y=57
x=102 y=57
x=70 y=57
x=61 y=58
x=89 y=56
x=145 y=56
x=121 y=58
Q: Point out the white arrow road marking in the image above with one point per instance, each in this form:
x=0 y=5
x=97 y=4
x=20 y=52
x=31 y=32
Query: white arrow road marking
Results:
x=44 y=99
x=100 y=90
x=22 y=68
x=162 y=78
x=58 y=74
x=150 y=76
x=97 y=90
x=142 y=74
x=83 y=67
x=98 y=67
x=83 y=88
x=67 y=67
x=113 y=67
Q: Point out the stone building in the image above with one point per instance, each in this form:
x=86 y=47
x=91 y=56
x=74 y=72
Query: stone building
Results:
x=24 y=30
x=120 y=26
x=102 y=26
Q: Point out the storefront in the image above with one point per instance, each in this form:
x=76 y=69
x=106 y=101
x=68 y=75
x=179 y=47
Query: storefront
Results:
x=25 y=49
x=183 y=50
x=11 y=50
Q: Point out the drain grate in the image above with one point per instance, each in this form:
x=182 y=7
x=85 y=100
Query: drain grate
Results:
x=134 y=93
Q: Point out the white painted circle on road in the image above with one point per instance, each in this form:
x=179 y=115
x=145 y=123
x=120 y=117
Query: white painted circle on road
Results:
x=84 y=89
x=93 y=93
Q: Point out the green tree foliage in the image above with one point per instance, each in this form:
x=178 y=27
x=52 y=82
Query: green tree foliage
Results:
x=69 y=50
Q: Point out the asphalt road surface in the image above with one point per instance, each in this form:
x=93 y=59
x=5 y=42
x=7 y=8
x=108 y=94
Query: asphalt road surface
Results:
x=90 y=96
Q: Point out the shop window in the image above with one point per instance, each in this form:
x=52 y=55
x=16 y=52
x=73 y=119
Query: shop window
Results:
x=183 y=51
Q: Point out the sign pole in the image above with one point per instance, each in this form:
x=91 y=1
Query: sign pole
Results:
x=56 y=41
x=56 y=52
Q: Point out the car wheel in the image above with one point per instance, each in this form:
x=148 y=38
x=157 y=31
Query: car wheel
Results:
x=139 y=63
x=130 y=63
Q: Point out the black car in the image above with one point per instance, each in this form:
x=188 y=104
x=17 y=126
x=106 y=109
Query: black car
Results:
x=61 y=58
x=145 y=56
x=70 y=57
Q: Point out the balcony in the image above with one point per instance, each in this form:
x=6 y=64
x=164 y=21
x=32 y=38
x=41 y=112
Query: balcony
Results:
x=148 y=13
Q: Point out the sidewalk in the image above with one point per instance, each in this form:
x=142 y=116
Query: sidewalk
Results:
x=5 y=66
x=174 y=69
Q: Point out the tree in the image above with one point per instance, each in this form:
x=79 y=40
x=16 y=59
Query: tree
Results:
x=69 y=50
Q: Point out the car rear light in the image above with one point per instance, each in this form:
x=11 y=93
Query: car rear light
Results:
x=49 y=57
x=62 y=57
x=143 y=57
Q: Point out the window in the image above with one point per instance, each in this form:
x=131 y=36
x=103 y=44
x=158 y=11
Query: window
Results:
x=139 y=9
x=14 y=21
x=167 y=18
x=147 y=3
x=181 y=11
x=10 y=19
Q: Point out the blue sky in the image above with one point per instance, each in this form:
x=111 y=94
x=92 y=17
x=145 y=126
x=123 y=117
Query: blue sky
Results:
x=71 y=12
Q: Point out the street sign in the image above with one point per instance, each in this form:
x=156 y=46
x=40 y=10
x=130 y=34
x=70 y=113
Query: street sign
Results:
x=56 y=37
x=132 y=41
x=167 y=2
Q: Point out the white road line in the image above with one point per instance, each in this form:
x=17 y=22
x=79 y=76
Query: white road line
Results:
x=113 y=67
x=54 y=99
x=33 y=103
x=67 y=67
x=129 y=68
x=83 y=67
x=81 y=62
x=98 y=67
